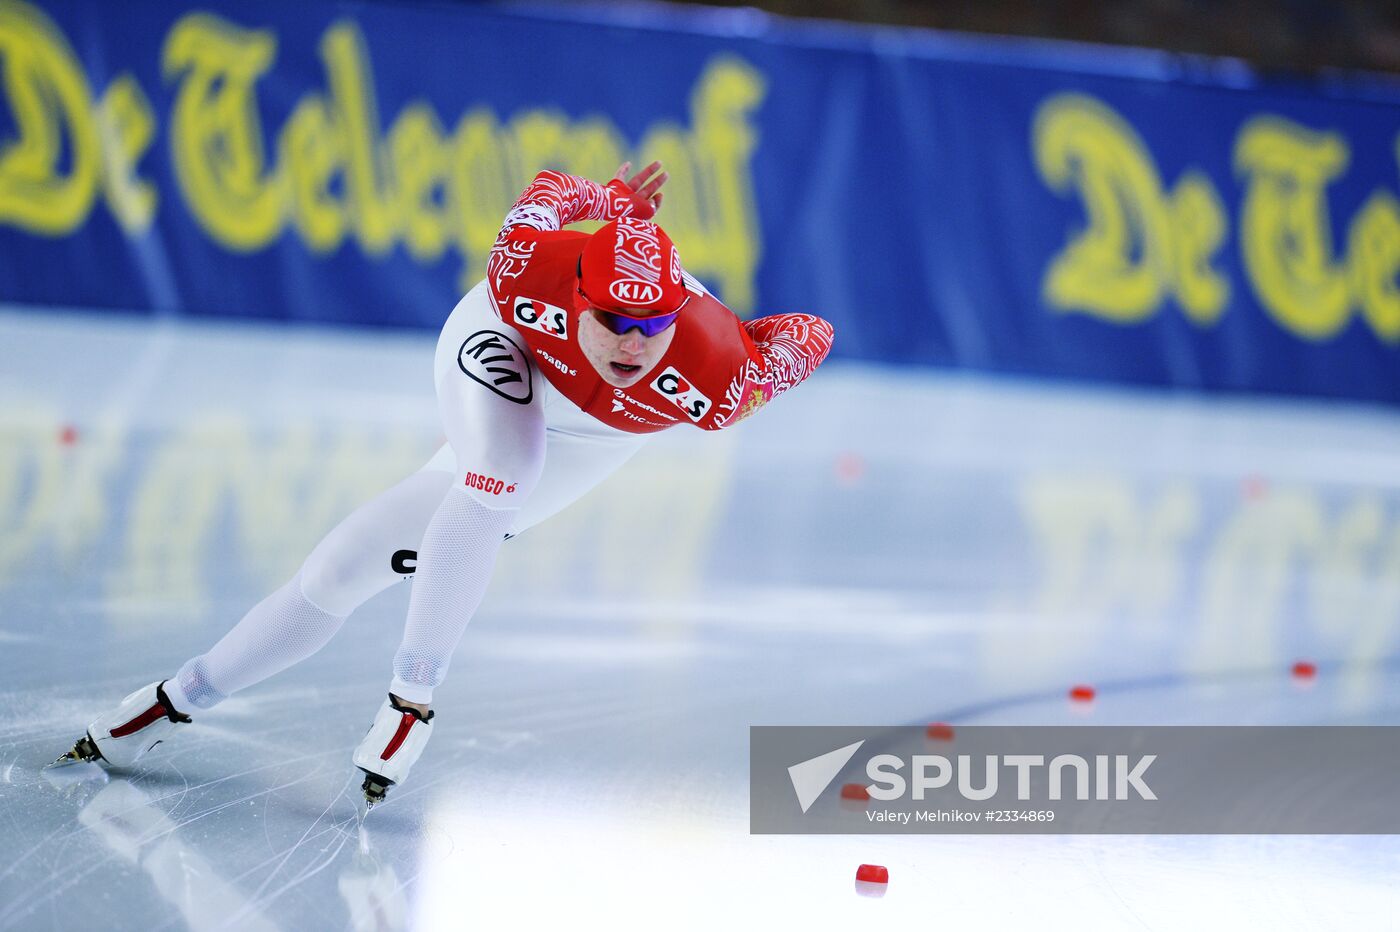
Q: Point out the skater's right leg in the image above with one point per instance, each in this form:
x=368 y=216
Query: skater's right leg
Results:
x=491 y=399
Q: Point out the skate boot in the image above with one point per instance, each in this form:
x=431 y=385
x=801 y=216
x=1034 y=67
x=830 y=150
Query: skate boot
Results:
x=389 y=749
x=144 y=719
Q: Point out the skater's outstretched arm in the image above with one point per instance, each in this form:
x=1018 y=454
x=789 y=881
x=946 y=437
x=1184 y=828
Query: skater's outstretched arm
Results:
x=784 y=350
x=553 y=200
x=790 y=347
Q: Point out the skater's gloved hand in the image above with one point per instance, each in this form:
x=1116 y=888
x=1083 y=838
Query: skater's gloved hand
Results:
x=643 y=189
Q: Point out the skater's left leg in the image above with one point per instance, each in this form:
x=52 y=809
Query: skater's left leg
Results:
x=355 y=561
x=351 y=564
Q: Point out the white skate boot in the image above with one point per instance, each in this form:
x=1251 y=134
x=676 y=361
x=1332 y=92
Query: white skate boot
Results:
x=392 y=745
x=144 y=719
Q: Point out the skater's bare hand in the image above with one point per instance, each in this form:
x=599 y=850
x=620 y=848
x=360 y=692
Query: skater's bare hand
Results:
x=644 y=188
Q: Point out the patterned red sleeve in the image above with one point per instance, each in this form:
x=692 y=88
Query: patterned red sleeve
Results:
x=790 y=347
x=554 y=200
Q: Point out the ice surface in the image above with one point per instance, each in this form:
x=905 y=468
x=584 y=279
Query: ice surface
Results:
x=881 y=547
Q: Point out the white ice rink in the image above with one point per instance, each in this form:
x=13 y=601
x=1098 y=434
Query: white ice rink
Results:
x=880 y=547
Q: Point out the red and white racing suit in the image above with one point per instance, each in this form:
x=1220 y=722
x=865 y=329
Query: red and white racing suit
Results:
x=530 y=427
x=517 y=399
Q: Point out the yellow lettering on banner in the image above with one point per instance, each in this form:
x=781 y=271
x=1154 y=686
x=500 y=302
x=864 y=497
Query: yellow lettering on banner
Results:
x=1199 y=220
x=128 y=125
x=52 y=107
x=725 y=234
x=356 y=112
x=596 y=148
x=483 y=176
x=429 y=189
x=685 y=191
x=1142 y=243
x=709 y=208
x=1373 y=250
x=541 y=141
x=335 y=171
x=1115 y=268
x=312 y=152
x=216 y=137
x=420 y=158
x=1284 y=231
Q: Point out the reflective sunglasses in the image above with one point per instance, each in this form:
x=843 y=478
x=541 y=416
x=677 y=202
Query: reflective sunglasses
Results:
x=621 y=323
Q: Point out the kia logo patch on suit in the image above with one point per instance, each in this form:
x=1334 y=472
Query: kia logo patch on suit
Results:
x=633 y=292
x=496 y=361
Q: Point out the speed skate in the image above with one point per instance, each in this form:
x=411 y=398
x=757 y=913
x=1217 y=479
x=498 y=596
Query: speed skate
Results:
x=122 y=737
x=391 y=746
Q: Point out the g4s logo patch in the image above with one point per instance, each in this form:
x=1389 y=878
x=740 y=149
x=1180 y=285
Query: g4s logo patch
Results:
x=671 y=384
x=537 y=315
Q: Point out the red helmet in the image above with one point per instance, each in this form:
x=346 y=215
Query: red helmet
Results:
x=632 y=265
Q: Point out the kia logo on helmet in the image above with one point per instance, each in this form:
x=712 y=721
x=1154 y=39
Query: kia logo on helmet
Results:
x=635 y=293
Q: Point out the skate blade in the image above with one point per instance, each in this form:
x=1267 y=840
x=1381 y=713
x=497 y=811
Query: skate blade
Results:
x=70 y=780
x=373 y=790
x=66 y=760
x=363 y=805
x=83 y=752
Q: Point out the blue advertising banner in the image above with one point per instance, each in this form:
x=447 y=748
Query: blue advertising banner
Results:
x=1012 y=206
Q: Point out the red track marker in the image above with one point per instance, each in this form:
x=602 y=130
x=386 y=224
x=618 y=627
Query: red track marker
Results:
x=1082 y=693
x=850 y=468
x=855 y=791
x=1304 y=670
x=872 y=873
x=939 y=731
x=68 y=435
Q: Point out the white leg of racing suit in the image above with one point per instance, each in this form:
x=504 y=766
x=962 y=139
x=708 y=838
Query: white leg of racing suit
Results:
x=533 y=440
